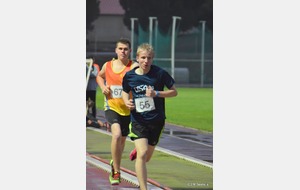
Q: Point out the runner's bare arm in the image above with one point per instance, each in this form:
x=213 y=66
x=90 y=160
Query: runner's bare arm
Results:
x=167 y=93
x=100 y=80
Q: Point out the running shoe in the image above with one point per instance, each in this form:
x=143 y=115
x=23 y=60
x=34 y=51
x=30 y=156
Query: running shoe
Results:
x=132 y=155
x=112 y=166
x=114 y=177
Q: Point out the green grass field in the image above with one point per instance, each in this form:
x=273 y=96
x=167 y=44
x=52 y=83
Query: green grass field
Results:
x=192 y=107
x=168 y=170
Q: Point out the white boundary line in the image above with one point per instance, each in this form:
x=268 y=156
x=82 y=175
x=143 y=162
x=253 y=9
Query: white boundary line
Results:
x=184 y=157
x=176 y=154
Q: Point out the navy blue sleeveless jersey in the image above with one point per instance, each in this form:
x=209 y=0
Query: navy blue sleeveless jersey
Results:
x=157 y=78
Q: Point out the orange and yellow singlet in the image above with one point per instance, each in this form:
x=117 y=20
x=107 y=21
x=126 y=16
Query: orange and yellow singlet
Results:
x=114 y=80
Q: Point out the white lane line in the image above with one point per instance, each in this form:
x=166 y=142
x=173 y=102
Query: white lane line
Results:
x=176 y=154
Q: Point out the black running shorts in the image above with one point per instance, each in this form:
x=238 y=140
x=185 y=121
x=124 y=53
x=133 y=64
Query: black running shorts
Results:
x=152 y=131
x=113 y=117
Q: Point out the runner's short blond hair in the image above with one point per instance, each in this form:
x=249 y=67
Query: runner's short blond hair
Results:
x=145 y=47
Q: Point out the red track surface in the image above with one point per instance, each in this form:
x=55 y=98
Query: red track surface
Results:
x=97 y=179
x=151 y=181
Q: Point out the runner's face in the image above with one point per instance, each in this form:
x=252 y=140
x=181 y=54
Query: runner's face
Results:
x=122 y=51
x=145 y=60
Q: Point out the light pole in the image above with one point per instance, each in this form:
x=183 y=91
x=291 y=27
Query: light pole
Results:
x=173 y=46
x=202 y=52
x=151 y=28
x=132 y=36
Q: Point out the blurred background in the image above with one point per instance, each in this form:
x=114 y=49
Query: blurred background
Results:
x=181 y=32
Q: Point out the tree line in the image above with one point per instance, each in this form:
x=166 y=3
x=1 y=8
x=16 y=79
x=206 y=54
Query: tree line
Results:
x=190 y=11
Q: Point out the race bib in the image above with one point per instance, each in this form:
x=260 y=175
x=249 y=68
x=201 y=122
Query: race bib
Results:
x=144 y=104
x=116 y=91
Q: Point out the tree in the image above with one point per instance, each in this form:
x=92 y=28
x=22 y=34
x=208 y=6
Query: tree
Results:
x=191 y=12
x=92 y=13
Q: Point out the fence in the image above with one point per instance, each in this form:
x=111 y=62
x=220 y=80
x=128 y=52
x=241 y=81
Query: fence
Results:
x=187 y=56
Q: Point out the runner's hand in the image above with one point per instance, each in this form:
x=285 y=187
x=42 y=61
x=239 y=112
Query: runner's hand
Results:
x=106 y=90
x=129 y=104
x=150 y=92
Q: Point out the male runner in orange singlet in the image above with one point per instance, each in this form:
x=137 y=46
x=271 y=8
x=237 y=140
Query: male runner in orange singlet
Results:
x=117 y=114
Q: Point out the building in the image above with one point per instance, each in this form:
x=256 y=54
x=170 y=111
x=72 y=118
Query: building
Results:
x=108 y=28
